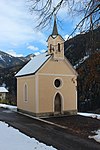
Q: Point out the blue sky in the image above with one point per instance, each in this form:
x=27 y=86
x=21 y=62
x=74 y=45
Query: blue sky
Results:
x=18 y=35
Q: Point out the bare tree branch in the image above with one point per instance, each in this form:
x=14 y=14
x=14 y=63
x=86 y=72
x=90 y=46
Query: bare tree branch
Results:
x=46 y=10
x=85 y=17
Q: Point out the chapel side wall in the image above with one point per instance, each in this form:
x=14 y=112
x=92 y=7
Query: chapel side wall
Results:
x=28 y=105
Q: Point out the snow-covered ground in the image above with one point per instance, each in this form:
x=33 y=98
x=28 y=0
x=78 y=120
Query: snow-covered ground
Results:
x=14 y=108
x=96 y=133
x=95 y=137
x=10 y=107
x=12 y=139
x=90 y=115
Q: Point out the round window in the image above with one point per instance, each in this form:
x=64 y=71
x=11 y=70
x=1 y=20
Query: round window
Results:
x=57 y=83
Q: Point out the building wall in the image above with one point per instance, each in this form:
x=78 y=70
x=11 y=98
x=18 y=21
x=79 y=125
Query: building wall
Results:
x=56 y=70
x=47 y=92
x=28 y=104
x=2 y=96
x=57 y=67
x=42 y=91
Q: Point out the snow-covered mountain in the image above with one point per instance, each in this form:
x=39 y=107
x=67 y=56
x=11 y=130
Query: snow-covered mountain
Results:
x=7 y=60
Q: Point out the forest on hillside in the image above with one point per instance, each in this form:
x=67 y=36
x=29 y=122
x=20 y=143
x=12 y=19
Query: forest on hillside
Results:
x=86 y=59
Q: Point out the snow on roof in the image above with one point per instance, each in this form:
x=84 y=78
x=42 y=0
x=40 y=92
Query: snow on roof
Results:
x=3 y=90
x=33 y=65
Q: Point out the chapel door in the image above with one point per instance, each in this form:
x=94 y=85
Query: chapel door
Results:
x=57 y=104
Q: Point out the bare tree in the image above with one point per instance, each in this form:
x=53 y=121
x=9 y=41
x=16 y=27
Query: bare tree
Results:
x=89 y=9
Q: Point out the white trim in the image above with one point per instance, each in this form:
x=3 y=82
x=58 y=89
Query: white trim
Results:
x=63 y=75
x=62 y=101
x=36 y=94
x=60 y=81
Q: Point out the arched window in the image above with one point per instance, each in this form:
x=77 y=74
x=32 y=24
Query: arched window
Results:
x=51 y=48
x=25 y=92
x=58 y=47
x=57 y=104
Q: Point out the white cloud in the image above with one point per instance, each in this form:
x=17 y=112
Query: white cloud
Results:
x=17 y=24
x=13 y=53
x=31 y=47
x=13 y=27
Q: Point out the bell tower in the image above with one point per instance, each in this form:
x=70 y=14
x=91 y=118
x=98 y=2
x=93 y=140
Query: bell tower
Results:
x=56 y=43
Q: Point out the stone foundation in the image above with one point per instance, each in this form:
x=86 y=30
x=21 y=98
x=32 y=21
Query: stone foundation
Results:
x=48 y=114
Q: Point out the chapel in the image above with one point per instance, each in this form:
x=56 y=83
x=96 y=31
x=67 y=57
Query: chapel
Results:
x=47 y=84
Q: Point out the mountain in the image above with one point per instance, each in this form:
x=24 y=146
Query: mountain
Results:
x=82 y=46
x=7 y=60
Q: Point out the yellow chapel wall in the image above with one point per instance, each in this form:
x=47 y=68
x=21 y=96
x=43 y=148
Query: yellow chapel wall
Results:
x=57 y=67
x=30 y=104
x=47 y=91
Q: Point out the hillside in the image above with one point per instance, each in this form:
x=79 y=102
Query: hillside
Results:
x=82 y=45
x=84 y=54
x=7 y=61
x=89 y=83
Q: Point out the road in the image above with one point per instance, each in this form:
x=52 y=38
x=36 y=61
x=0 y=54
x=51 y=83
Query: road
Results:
x=46 y=133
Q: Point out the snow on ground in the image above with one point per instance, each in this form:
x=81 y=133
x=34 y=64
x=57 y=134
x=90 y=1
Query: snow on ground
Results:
x=97 y=133
x=12 y=139
x=28 y=141
x=90 y=115
x=10 y=107
x=96 y=137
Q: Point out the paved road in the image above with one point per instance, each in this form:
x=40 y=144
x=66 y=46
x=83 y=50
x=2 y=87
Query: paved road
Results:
x=46 y=133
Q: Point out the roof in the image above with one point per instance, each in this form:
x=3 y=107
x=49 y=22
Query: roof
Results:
x=55 y=30
x=71 y=66
x=33 y=65
x=3 y=90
